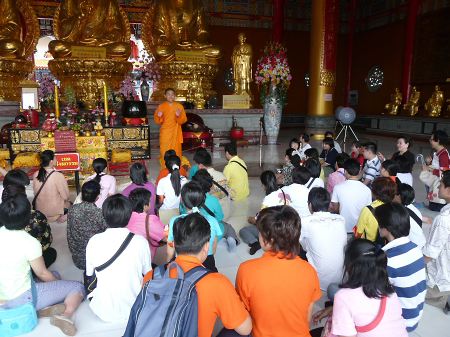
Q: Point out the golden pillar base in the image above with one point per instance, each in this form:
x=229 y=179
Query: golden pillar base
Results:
x=88 y=76
x=179 y=76
x=12 y=72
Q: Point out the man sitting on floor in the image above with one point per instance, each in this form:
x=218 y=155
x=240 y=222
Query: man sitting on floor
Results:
x=373 y=164
x=236 y=173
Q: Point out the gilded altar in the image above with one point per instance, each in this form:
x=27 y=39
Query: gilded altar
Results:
x=134 y=138
x=90 y=23
x=19 y=34
x=179 y=26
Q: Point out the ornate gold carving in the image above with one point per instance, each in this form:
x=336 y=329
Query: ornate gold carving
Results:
x=32 y=27
x=12 y=71
x=127 y=144
x=327 y=78
x=396 y=101
x=26 y=148
x=88 y=76
x=29 y=136
x=131 y=133
x=108 y=133
x=117 y=134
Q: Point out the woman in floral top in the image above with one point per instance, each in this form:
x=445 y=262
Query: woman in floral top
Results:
x=83 y=222
x=38 y=227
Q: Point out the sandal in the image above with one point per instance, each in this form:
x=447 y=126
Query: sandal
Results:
x=65 y=324
x=50 y=311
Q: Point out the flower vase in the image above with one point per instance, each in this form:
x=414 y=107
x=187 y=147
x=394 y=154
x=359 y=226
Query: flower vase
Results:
x=272 y=115
x=145 y=90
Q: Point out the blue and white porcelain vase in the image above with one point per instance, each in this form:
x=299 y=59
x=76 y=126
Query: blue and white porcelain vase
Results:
x=272 y=115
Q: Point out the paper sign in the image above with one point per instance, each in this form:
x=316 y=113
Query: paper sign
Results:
x=67 y=161
x=236 y=102
x=189 y=56
x=89 y=52
x=328 y=97
x=65 y=141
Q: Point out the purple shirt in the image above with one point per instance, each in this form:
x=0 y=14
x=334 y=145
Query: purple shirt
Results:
x=149 y=187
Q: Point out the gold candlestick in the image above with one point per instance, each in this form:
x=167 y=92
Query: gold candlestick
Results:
x=105 y=93
x=56 y=102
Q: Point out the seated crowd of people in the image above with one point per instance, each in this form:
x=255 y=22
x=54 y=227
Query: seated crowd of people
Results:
x=344 y=224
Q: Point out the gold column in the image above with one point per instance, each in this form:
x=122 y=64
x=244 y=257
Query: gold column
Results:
x=322 y=71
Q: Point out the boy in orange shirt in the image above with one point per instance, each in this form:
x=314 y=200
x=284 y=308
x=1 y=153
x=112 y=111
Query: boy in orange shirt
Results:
x=191 y=240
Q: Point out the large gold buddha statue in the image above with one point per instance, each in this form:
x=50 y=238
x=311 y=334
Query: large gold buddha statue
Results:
x=11 y=45
x=180 y=25
x=90 y=23
x=434 y=104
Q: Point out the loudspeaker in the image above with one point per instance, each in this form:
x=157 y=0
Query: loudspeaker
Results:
x=353 y=97
x=212 y=103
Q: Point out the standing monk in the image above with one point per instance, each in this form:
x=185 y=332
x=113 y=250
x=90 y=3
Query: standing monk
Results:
x=170 y=115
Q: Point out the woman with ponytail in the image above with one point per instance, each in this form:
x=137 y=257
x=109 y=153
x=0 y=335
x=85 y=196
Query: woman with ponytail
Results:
x=107 y=182
x=51 y=191
x=366 y=304
x=193 y=198
x=169 y=190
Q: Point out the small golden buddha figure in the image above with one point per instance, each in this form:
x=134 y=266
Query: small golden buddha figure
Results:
x=195 y=92
x=242 y=67
x=396 y=100
x=91 y=23
x=412 y=107
x=11 y=45
x=180 y=25
x=434 y=104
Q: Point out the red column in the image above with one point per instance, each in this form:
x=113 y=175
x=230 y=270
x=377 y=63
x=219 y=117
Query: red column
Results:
x=413 y=11
x=351 y=31
x=278 y=21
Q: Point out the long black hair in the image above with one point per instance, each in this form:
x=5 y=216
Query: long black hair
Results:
x=192 y=195
x=138 y=174
x=269 y=180
x=366 y=266
x=173 y=164
x=46 y=157
x=99 y=166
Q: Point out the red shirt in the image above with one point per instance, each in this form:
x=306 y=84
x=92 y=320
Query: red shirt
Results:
x=444 y=161
x=359 y=158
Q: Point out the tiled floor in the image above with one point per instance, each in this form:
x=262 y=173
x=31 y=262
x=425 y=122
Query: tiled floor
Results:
x=433 y=323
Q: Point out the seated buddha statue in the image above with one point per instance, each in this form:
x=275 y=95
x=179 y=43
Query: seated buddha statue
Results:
x=91 y=23
x=434 y=104
x=396 y=100
x=180 y=25
x=11 y=45
x=412 y=107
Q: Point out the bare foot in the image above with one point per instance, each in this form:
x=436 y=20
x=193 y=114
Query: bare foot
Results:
x=62 y=218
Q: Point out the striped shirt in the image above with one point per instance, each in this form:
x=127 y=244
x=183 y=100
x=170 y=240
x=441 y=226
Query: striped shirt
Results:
x=372 y=169
x=406 y=271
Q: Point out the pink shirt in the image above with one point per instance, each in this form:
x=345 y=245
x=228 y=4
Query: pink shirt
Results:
x=107 y=187
x=136 y=225
x=353 y=308
x=334 y=179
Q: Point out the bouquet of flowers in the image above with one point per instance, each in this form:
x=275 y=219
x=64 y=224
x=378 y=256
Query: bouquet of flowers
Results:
x=273 y=69
x=148 y=69
x=46 y=93
x=127 y=91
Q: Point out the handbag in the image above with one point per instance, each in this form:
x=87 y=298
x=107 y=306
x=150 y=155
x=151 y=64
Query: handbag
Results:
x=90 y=282
x=328 y=325
x=21 y=319
x=40 y=189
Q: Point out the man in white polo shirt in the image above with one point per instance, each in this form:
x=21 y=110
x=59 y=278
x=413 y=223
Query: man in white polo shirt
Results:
x=350 y=196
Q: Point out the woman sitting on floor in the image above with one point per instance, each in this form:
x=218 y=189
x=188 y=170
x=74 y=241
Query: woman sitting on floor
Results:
x=107 y=182
x=20 y=251
x=138 y=175
x=51 y=191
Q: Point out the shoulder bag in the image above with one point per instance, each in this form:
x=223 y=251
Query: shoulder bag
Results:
x=309 y=185
x=234 y=161
x=415 y=217
x=221 y=187
x=90 y=282
x=40 y=189
x=21 y=319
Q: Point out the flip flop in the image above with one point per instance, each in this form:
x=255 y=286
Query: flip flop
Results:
x=50 y=311
x=65 y=324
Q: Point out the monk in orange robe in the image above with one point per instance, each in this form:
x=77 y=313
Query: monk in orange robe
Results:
x=171 y=116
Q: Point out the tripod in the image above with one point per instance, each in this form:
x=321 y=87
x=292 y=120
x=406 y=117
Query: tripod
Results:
x=345 y=129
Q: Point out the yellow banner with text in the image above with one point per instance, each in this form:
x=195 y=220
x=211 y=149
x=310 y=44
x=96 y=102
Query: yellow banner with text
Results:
x=189 y=56
x=89 y=52
x=236 y=102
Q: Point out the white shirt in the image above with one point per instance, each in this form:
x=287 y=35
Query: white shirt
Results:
x=337 y=147
x=120 y=283
x=438 y=248
x=352 y=196
x=17 y=249
x=405 y=178
x=316 y=183
x=416 y=233
x=299 y=198
x=323 y=237
x=107 y=187
x=165 y=188
x=301 y=151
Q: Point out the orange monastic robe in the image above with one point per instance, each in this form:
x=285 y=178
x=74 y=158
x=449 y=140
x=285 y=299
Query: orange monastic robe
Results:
x=170 y=134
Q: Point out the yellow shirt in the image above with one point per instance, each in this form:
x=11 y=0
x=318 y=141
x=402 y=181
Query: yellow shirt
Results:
x=367 y=225
x=322 y=175
x=237 y=178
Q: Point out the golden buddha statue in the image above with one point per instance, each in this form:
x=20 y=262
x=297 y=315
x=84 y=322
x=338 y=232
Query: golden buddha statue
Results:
x=180 y=25
x=412 y=107
x=396 y=100
x=11 y=45
x=434 y=104
x=242 y=67
x=90 y=23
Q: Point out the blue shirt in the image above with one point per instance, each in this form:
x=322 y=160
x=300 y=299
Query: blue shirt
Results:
x=192 y=171
x=406 y=272
x=215 y=230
